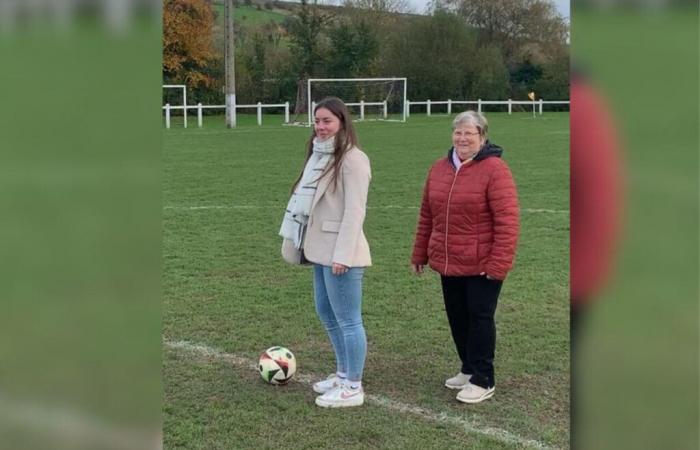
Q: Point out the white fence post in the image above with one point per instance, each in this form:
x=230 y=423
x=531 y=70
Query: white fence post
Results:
x=199 y=115
x=510 y=106
x=479 y=105
x=386 y=110
x=167 y=115
x=449 y=106
x=540 y=107
x=427 y=106
x=259 y=113
x=362 y=110
x=286 y=112
x=184 y=105
x=408 y=108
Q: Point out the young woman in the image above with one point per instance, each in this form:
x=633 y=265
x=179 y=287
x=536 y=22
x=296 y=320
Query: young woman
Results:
x=324 y=219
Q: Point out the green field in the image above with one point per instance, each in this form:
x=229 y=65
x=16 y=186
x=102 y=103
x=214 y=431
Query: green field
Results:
x=250 y=14
x=226 y=289
x=649 y=309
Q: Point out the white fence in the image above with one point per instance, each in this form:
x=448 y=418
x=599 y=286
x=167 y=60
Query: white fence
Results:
x=537 y=104
x=429 y=103
x=199 y=107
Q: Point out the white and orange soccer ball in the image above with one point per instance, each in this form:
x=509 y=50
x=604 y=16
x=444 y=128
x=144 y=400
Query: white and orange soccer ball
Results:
x=277 y=365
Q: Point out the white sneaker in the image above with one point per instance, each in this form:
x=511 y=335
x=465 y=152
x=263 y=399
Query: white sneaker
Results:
x=475 y=394
x=341 y=397
x=458 y=381
x=326 y=385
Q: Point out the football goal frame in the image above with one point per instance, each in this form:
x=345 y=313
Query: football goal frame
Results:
x=184 y=99
x=310 y=81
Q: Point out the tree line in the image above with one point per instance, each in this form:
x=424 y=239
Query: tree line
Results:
x=459 y=49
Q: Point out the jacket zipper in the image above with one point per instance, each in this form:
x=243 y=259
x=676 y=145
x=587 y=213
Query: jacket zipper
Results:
x=447 y=217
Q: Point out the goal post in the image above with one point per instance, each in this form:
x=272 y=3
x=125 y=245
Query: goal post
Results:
x=380 y=98
x=184 y=100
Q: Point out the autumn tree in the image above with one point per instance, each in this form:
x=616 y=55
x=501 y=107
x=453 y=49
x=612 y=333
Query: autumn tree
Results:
x=187 y=41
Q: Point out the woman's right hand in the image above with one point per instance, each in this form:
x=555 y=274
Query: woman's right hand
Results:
x=417 y=268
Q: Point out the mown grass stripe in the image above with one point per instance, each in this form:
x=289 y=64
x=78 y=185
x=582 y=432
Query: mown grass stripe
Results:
x=468 y=426
x=71 y=426
x=205 y=207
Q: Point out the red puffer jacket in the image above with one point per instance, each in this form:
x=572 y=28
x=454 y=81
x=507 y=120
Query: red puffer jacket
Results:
x=469 y=218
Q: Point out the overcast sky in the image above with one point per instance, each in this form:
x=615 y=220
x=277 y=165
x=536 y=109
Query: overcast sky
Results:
x=562 y=6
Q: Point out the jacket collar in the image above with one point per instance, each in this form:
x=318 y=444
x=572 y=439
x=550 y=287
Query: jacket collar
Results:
x=487 y=151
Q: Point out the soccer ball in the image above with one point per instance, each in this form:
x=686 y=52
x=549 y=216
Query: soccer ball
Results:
x=277 y=365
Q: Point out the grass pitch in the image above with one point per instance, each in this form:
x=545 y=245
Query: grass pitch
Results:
x=226 y=287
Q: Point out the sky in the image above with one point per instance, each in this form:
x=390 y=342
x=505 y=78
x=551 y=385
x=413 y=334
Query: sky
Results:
x=563 y=6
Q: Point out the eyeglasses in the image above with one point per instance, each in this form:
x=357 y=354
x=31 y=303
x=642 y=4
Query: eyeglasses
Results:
x=466 y=133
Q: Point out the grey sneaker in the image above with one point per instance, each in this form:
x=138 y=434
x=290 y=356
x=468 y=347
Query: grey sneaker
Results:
x=475 y=394
x=458 y=381
x=326 y=385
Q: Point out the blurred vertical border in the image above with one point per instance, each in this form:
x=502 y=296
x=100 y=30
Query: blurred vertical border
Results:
x=80 y=229
x=636 y=349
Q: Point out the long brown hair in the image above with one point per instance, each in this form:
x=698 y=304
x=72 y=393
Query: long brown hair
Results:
x=345 y=139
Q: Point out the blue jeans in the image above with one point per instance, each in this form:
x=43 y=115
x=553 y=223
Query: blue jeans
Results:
x=339 y=306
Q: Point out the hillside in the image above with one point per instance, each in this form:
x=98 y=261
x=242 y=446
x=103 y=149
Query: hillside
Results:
x=255 y=12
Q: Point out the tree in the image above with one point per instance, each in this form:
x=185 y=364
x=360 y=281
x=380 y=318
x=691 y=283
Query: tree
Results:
x=435 y=53
x=489 y=75
x=354 y=46
x=265 y=71
x=256 y=59
x=305 y=28
x=187 y=41
x=512 y=23
x=554 y=83
x=523 y=78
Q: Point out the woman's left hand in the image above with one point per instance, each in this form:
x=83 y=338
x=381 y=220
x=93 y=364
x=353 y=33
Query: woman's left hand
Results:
x=338 y=269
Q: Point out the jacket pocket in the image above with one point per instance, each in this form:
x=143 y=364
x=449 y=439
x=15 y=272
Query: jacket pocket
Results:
x=433 y=246
x=331 y=226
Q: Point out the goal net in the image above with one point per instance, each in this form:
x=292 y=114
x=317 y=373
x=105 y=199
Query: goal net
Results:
x=366 y=98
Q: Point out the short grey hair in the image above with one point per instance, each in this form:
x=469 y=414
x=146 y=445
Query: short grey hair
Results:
x=473 y=118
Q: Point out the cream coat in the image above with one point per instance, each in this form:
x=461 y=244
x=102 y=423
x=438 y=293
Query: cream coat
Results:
x=334 y=233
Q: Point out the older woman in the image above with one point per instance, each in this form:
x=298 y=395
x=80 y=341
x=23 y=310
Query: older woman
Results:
x=467 y=232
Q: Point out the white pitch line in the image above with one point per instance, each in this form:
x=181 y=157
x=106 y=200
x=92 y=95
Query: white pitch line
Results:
x=194 y=208
x=206 y=207
x=469 y=426
x=550 y=211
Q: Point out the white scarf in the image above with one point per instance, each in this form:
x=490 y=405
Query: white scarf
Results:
x=299 y=207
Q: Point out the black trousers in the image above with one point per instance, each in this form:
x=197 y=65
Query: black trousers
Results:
x=470 y=303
